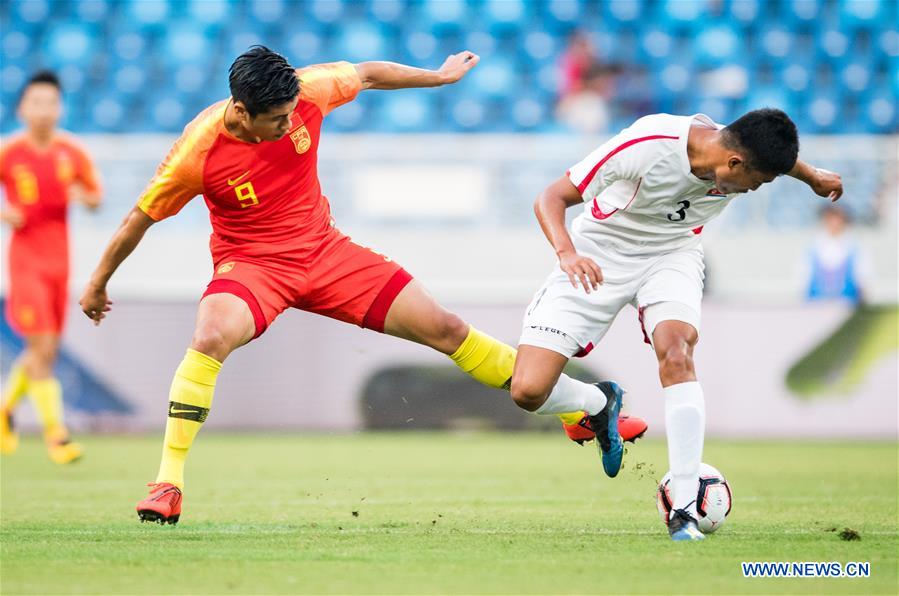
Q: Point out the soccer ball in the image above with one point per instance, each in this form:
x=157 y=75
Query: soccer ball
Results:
x=713 y=501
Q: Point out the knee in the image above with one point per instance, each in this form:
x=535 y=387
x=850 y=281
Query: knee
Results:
x=449 y=332
x=210 y=340
x=528 y=394
x=40 y=359
x=676 y=364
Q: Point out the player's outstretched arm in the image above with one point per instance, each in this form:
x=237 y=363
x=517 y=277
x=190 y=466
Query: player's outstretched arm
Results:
x=390 y=75
x=89 y=199
x=12 y=217
x=824 y=182
x=94 y=301
x=550 y=209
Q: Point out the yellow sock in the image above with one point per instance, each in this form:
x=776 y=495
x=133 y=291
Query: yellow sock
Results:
x=491 y=362
x=486 y=359
x=571 y=417
x=190 y=398
x=47 y=397
x=16 y=387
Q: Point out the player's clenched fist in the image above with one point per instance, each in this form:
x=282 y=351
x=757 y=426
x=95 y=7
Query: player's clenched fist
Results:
x=827 y=184
x=457 y=66
x=581 y=269
x=95 y=304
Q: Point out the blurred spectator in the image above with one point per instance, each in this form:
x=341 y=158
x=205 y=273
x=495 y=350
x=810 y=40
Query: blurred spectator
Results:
x=577 y=60
x=836 y=266
x=587 y=86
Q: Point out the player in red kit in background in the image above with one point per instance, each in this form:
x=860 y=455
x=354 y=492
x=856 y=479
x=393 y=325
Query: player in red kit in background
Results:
x=42 y=170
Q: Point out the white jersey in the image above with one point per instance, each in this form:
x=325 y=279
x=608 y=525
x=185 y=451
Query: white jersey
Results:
x=641 y=198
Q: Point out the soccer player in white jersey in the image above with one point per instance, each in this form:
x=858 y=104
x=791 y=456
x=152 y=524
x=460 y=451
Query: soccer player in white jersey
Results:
x=647 y=194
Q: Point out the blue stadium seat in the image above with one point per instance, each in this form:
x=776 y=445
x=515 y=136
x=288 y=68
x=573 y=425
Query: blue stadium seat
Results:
x=93 y=11
x=302 y=47
x=624 y=12
x=212 y=12
x=796 y=14
x=444 y=15
x=718 y=45
x=148 y=14
x=70 y=44
x=824 y=112
x=387 y=11
x=15 y=45
x=745 y=12
x=682 y=15
x=187 y=44
x=410 y=111
x=776 y=42
x=266 y=12
x=107 y=112
x=881 y=113
x=864 y=13
x=29 y=15
x=358 y=42
x=326 y=11
x=493 y=78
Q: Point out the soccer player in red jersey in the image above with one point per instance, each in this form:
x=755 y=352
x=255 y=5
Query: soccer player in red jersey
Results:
x=274 y=244
x=41 y=171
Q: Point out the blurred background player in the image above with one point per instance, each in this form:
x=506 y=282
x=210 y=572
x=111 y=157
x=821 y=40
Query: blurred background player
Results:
x=41 y=169
x=836 y=267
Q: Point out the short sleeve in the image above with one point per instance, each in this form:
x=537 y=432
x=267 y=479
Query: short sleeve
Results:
x=625 y=156
x=85 y=171
x=179 y=178
x=329 y=85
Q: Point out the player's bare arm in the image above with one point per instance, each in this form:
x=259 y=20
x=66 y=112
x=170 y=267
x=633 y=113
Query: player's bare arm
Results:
x=12 y=217
x=390 y=75
x=89 y=199
x=94 y=301
x=824 y=182
x=550 y=209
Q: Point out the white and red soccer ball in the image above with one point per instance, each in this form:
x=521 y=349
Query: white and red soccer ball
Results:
x=713 y=502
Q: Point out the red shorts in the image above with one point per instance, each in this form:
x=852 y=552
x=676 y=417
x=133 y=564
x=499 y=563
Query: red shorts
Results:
x=37 y=302
x=343 y=281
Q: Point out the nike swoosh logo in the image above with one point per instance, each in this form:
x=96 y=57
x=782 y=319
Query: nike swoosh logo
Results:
x=171 y=411
x=238 y=179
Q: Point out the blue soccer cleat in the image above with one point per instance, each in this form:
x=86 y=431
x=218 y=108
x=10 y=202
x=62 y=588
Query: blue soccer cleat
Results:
x=605 y=425
x=682 y=526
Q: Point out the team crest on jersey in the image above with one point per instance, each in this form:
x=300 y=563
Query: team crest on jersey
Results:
x=302 y=140
x=226 y=267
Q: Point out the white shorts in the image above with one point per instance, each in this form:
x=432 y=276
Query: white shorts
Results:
x=571 y=322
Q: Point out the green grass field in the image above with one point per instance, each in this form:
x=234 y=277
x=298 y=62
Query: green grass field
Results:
x=436 y=513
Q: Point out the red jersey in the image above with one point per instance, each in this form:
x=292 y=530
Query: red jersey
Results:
x=36 y=182
x=264 y=199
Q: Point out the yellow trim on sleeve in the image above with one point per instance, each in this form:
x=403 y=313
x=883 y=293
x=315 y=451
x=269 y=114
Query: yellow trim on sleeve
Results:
x=187 y=145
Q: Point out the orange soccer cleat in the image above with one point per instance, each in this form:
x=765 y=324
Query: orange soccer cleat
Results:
x=163 y=505
x=630 y=428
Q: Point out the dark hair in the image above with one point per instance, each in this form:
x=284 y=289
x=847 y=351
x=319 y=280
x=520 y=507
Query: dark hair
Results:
x=47 y=77
x=262 y=79
x=768 y=137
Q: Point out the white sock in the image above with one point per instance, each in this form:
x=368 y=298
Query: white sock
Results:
x=685 y=427
x=571 y=395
